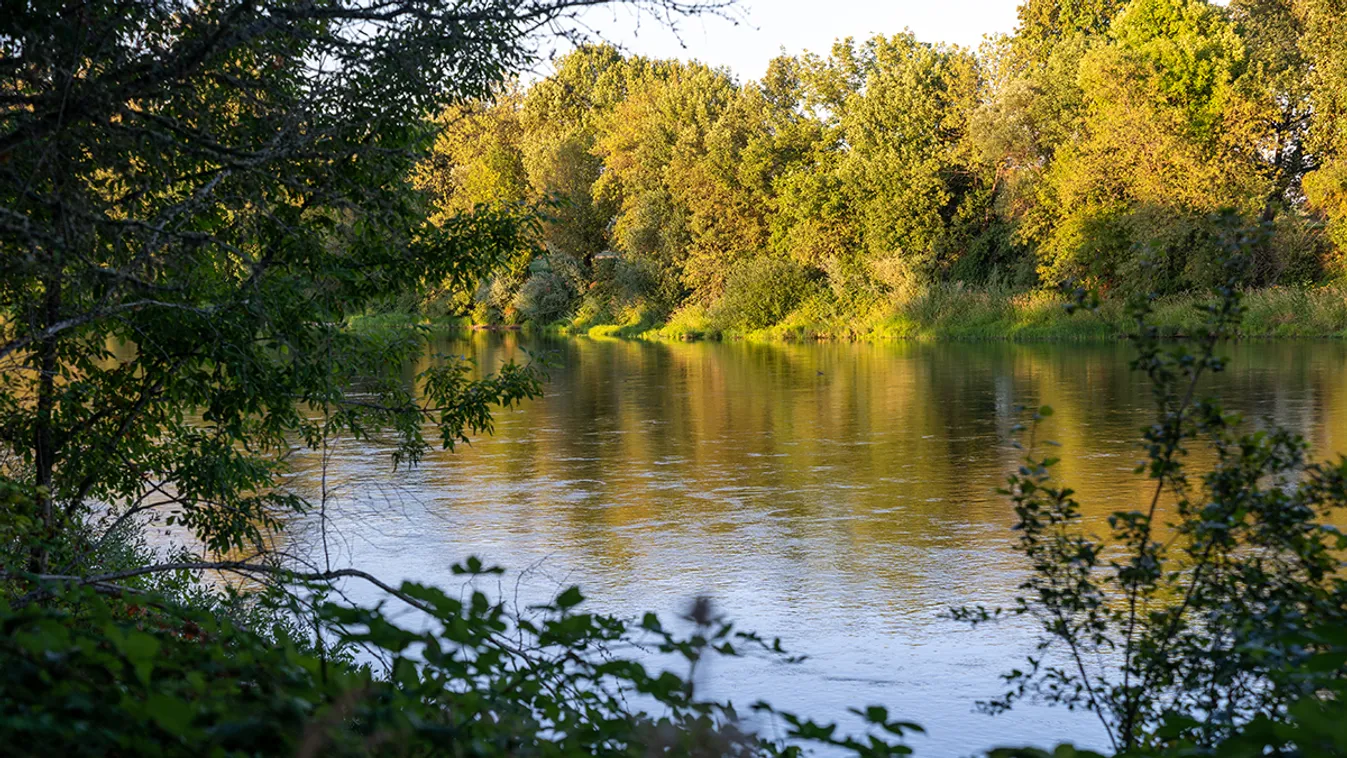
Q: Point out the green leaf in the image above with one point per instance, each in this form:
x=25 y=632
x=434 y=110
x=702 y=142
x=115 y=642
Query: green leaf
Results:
x=171 y=714
x=140 y=649
x=570 y=598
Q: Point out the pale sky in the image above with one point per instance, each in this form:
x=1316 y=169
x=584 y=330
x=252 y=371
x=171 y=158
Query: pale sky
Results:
x=766 y=26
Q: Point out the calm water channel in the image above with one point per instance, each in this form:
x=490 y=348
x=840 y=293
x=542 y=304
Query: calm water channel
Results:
x=840 y=496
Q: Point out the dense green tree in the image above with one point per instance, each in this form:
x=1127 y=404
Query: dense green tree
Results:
x=476 y=163
x=1027 y=116
x=670 y=155
x=1326 y=49
x=1277 y=81
x=1043 y=24
x=1162 y=147
x=906 y=168
x=476 y=158
x=809 y=220
x=1277 y=88
x=561 y=117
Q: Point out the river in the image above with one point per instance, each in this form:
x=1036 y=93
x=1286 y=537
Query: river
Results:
x=840 y=496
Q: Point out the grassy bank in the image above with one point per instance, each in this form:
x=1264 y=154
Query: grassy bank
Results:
x=399 y=320
x=949 y=312
x=955 y=312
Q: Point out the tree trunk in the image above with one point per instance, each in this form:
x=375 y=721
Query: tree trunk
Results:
x=44 y=448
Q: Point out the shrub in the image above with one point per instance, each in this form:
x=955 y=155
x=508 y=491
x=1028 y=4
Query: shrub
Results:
x=760 y=292
x=545 y=297
x=484 y=314
x=1296 y=253
x=595 y=309
x=691 y=322
x=634 y=280
x=899 y=279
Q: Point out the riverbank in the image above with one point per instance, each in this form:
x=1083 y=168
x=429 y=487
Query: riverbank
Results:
x=956 y=313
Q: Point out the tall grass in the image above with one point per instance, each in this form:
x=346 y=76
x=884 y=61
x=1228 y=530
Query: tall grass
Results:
x=1295 y=311
x=958 y=312
x=953 y=311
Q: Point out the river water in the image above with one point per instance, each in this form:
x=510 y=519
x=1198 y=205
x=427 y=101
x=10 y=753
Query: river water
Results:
x=838 y=496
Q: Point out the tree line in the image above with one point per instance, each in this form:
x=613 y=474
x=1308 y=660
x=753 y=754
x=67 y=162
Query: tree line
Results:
x=1100 y=142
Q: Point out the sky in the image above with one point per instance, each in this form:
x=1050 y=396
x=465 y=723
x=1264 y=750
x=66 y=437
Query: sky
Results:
x=766 y=26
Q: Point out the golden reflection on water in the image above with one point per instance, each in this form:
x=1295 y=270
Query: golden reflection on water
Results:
x=838 y=495
x=674 y=433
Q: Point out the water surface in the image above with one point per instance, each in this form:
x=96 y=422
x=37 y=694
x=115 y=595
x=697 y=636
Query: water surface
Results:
x=840 y=496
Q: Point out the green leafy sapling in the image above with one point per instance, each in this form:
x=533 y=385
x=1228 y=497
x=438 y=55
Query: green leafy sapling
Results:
x=1189 y=618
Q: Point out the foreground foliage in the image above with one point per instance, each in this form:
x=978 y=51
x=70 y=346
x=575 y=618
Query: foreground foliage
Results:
x=1212 y=616
x=173 y=668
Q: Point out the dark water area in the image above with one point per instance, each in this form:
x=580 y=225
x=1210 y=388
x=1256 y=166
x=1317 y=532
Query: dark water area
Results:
x=839 y=496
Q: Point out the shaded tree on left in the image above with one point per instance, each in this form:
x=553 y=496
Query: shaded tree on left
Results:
x=216 y=187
